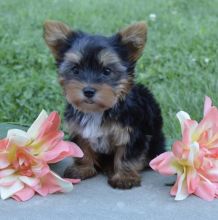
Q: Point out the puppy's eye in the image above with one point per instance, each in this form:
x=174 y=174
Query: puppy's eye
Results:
x=107 y=71
x=75 y=69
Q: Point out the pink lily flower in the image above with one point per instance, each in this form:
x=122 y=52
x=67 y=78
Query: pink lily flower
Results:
x=21 y=174
x=24 y=158
x=195 y=158
x=45 y=140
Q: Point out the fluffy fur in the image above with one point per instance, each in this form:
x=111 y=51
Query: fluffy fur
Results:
x=117 y=123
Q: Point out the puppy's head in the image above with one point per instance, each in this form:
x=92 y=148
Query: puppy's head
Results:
x=95 y=71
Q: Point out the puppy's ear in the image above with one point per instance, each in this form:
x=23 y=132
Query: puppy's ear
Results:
x=134 y=38
x=56 y=35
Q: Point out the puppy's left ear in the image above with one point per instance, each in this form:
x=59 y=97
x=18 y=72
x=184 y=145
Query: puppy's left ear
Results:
x=134 y=38
x=56 y=35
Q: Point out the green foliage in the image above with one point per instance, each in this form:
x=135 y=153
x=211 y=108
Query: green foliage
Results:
x=174 y=64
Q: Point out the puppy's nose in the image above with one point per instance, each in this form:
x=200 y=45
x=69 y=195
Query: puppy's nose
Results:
x=89 y=92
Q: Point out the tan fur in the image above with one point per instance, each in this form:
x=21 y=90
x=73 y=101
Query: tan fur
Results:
x=125 y=172
x=73 y=57
x=73 y=91
x=124 y=166
x=135 y=36
x=107 y=57
x=116 y=134
x=105 y=97
x=124 y=87
x=83 y=168
x=55 y=33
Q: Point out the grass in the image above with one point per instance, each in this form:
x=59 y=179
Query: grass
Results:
x=174 y=64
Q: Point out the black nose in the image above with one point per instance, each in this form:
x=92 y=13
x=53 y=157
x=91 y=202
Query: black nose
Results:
x=89 y=92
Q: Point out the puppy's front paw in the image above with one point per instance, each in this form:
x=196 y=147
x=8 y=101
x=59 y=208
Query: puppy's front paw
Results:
x=79 y=172
x=122 y=181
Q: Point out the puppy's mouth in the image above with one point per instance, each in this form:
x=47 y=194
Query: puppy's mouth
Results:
x=89 y=101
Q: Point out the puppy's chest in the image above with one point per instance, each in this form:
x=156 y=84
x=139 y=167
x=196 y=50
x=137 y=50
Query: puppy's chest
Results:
x=102 y=136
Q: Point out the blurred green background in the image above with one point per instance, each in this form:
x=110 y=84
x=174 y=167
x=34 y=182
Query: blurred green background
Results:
x=179 y=63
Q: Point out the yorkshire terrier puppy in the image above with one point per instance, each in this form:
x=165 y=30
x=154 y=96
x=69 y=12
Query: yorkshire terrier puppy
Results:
x=116 y=122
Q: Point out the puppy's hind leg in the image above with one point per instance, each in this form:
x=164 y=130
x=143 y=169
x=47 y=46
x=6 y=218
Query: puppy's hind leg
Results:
x=126 y=173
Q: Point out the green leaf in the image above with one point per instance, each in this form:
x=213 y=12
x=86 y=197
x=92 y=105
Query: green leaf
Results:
x=4 y=127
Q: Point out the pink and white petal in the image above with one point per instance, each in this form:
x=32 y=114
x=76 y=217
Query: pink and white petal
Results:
x=35 y=128
x=206 y=190
x=177 y=149
x=74 y=181
x=24 y=194
x=62 y=150
x=174 y=188
x=29 y=181
x=4 y=160
x=209 y=121
x=8 y=180
x=163 y=163
x=193 y=153
x=213 y=142
x=189 y=133
x=212 y=172
x=8 y=191
x=207 y=104
x=52 y=183
x=52 y=123
x=18 y=137
x=6 y=172
x=65 y=186
x=47 y=142
x=182 y=116
x=40 y=169
x=42 y=189
x=3 y=144
x=192 y=180
x=182 y=190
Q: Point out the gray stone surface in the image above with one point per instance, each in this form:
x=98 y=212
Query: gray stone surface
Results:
x=94 y=199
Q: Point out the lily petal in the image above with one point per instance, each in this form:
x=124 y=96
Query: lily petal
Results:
x=4 y=160
x=182 y=191
x=65 y=185
x=8 y=180
x=34 y=130
x=52 y=183
x=74 y=181
x=189 y=128
x=29 y=181
x=62 y=150
x=18 y=137
x=192 y=180
x=52 y=123
x=24 y=194
x=194 y=150
x=6 y=172
x=207 y=105
x=8 y=191
x=182 y=116
x=3 y=144
x=206 y=190
x=163 y=163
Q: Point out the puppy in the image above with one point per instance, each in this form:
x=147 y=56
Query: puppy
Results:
x=116 y=122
